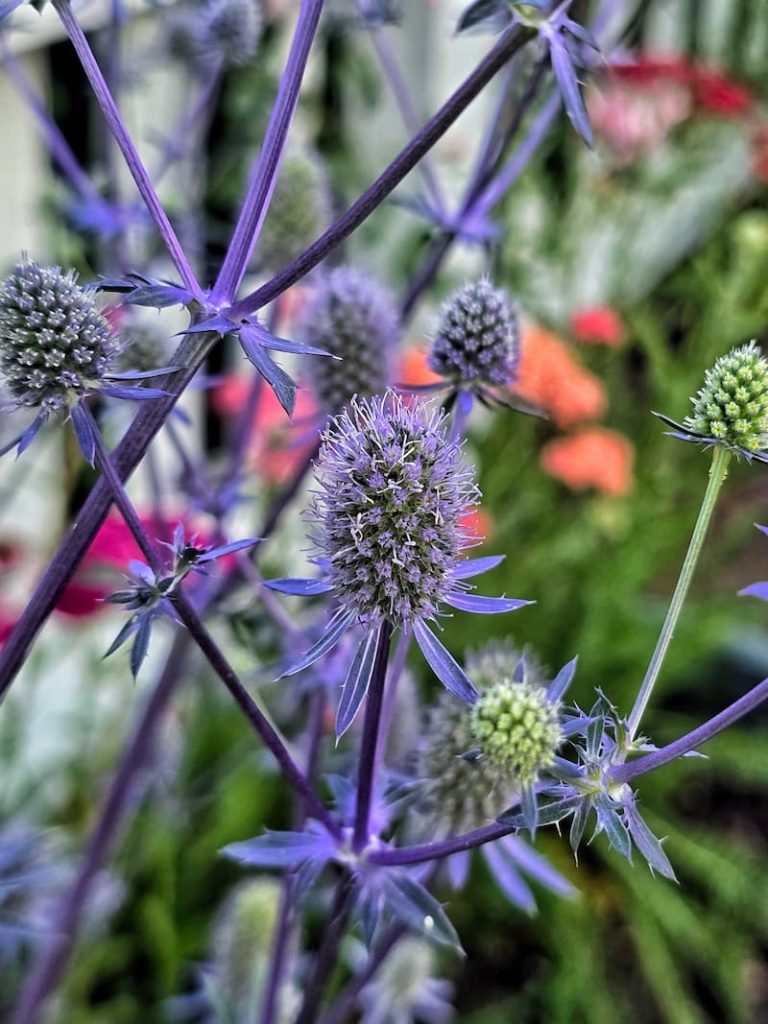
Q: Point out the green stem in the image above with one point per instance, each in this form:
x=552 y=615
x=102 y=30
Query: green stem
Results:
x=717 y=474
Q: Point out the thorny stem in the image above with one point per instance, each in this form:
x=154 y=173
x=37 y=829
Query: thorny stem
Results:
x=264 y=174
x=718 y=471
x=371 y=727
x=66 y=917
x=127 y=147
x=743 y=706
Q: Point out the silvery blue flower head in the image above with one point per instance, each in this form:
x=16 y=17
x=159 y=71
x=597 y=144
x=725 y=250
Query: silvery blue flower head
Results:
x=387 y=527
x=231 y=30
x=731 y=408
x=56 y=348
x=477 y=342
x=350 y=316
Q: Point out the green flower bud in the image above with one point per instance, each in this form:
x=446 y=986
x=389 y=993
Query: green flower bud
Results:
x=517 y=729
x=732 y=406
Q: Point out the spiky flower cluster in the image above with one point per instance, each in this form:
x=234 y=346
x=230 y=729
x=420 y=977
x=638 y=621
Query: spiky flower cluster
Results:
x=478 y=337
x=393 y=490
x=353 y=317
x=517 y=729
x=299 y=212
x=55 y=345
x=144 y=347
x=460 y=794
x=732 y=406
x=231 y=30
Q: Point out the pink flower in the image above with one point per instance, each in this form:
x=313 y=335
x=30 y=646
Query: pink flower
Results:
x=598 y=325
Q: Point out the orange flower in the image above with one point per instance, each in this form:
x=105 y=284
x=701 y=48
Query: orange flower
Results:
x=414 y=368
x=278 y=445
x=594 y=458
x=550 y=377
x=598 y=325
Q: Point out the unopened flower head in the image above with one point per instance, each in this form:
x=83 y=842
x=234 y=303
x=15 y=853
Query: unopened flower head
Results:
x=406 y=987
x=393 y=489
x=300 y=210
x=478 y=337
x=462 y=794
x=732 y=406
x=55 y=345
x=144 y=347
x=231 y=30
x=516 y=728
x=353 y=317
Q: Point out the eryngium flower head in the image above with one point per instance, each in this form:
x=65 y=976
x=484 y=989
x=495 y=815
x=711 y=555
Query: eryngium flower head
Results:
x=55 y=345
x=732 y=406
x=459 y=794
x=353 y=317
x=478 y=337
x=517 y=729
x=231 y=30
x=393 y=489
x=300 y=210
x=144 y=347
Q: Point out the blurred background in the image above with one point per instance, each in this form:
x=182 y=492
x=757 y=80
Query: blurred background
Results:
x=634 y=266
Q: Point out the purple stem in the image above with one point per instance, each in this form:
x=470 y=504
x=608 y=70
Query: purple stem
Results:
x=288 y=493
x=440 y=849
x=512 y=40
x=52 y=959
x=343 y=1006
x=264 y=173
x=327 y=953
x=519 y=160
x=124 y=141
x=702 y=734
x=55 y=141
x=194 y=349
x=210 y=649
x=193 y=120
x=366 y=774
x=402 y=94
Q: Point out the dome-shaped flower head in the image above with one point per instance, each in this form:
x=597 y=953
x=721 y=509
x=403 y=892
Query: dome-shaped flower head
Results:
x=387 y=526
x=477 y=342
x=54 y=342
x=352 y=317
x=731 y=409
x=56 y=347
x=461 y=791
x=231 y=30
x=299 y=211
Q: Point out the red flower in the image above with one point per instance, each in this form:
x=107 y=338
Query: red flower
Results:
x=594 y=458
x=598 y=325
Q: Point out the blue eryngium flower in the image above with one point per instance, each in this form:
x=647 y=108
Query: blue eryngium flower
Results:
x=387 y=527
x=56 y=348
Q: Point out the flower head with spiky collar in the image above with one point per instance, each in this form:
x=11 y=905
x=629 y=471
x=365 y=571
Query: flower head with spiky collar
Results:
x=731 y=408
x=56 y=347
x=387 y=527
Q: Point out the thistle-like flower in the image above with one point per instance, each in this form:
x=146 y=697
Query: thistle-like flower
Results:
x=461 y=791
x=387 y=527
x=477 y=343
x=56 y=347
x=517 y=729
x=476 y=349
x=300 y=210
x=731 y=408
x=231 y=30
x=350 y=316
